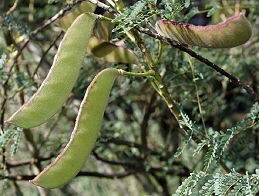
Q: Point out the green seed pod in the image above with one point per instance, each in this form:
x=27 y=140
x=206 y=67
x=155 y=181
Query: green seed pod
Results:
x=104 y=28
x=60 y=80
x=65 y=22
x=69 y=162
x=233 y=32
x=110 y=52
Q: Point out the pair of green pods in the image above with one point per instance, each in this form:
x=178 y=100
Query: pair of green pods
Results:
x=52 y=94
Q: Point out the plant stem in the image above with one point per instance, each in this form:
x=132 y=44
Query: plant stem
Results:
x=160 y=50
x=198 y=97
x=158 y=79
x=163 y=92
x=106 y=19
x=149 y=73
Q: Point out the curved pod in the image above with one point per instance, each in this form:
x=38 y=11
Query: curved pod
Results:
x=65 y=22
x=60 y=80
x=233 y=32
x=69 y=162
x=110 y=52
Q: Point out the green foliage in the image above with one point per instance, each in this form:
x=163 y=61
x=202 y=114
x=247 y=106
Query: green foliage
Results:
x=171 y=8
x=3 y=77
x=52 y=1
x=10 y=23
x=16 y=137
x=139 y=13
x=9 y=134
x=221 y=184
x=5 y=138
x=187 y=3
x=199 y=147
x=189 y=183
x=133 y=16
x=210 y=155
x=186 y=141
x=224 y=141
x=213 y=10
x=243 y=125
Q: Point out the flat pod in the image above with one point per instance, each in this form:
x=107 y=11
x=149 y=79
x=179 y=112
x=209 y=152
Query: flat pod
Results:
x=233 y=32
x=60 y=80
x=65 y=22
x=69 y=162
x=110 y=52
x=104 y=28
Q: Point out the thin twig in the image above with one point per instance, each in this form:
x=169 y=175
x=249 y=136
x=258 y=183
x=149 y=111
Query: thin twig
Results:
x=13 y=7
x=83 y=173
x=104 y=6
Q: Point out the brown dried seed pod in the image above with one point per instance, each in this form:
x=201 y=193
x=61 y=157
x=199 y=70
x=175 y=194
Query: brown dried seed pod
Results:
x=233 y=32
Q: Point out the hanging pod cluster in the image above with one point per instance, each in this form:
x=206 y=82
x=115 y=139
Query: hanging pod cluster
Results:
x=60 y=80
x=53 y=92
x=233 y=32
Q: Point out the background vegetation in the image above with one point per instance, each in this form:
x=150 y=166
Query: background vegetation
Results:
x=140 y=149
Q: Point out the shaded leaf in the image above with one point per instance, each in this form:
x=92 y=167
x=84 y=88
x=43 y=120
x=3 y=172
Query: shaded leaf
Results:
x=110 y=52
x=213 y=10
x=104 y=28
x=65 y=22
